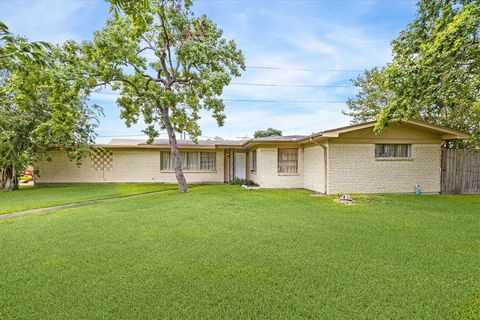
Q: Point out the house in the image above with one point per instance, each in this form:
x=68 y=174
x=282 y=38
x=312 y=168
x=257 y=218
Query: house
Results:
x=350 y=159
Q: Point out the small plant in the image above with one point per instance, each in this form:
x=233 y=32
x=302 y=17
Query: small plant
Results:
x=242 y=182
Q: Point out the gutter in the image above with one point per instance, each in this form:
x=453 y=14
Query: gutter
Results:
x=325 y=162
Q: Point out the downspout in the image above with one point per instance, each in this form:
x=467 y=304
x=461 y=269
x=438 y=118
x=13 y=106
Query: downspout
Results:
x=325 y=154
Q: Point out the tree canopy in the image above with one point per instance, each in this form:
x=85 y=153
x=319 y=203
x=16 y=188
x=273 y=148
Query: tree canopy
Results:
x=434 y=74
x=167 y=64
x=42 y=106
x=15 y=51
x=270 y=132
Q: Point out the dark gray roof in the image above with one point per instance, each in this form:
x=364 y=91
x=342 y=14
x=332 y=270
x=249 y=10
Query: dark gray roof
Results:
x=293 y=138
x=279 y=138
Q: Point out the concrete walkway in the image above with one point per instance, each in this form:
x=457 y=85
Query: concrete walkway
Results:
x=76 y=205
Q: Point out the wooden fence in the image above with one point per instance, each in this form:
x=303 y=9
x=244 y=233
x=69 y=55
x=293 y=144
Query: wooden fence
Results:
x=461 y=171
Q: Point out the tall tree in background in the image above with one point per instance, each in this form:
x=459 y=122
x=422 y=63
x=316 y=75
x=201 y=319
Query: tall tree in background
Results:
x=434 y=75
x=270 y=132
x=167 y=64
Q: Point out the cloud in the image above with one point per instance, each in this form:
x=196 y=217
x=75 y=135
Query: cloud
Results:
x=245 y=123
x=53 y=21
x=286 y=34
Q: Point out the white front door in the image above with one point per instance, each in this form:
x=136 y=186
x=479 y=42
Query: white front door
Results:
x=240 y=165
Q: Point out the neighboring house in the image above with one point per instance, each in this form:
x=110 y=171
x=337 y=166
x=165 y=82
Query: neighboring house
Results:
x=344 y=160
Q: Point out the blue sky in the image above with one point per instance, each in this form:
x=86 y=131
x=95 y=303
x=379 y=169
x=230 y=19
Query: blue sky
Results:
x=314 y=35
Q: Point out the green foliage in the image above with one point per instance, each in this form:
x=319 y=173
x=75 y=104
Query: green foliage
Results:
x=270 y=132
x=434 y=75
x=130 y=7
x=242 y=182
x=372 y=97
x=166 y=63
x=166 y=69
x=218 y=252
x=41 y=108
x=16 y=51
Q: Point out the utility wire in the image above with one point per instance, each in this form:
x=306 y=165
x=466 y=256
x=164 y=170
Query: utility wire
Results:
x=289 y=68
x=264 y=100
x=289 y=85
x=122 y=135
x=303 y=69
x=285 y=101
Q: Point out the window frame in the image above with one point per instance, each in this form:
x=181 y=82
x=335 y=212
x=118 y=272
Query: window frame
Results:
x=184 y=155
x=393 y=156
x=253 y=164
x=280 y=162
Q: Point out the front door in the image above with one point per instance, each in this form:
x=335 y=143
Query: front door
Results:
x=240 y=165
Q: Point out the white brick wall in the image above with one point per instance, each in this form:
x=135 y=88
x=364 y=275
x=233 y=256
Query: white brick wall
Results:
x=352 y=168
x=267 y=175
x=140 y=166
x=314 y=169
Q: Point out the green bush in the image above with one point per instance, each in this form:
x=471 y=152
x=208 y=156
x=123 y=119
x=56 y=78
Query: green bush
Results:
x=240 y=182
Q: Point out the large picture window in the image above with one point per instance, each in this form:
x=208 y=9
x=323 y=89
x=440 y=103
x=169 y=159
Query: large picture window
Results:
x=288 y=160
x=393 y=150
x=191 y=161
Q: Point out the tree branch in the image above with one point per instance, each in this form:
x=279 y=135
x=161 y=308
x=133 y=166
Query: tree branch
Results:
x=132 y=85
x=167 y=44
x=149 y=77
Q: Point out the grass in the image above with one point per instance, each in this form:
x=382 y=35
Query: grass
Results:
x=221 y=252
x=39 y=197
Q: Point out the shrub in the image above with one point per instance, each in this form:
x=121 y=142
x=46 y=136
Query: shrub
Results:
x=240 y=181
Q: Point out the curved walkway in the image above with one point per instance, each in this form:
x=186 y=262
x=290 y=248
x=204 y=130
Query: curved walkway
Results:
x=76 y=205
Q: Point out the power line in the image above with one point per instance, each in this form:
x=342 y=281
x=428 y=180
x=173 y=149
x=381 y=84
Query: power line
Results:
x=289 y=68
x=263 y=100
x=285 y=101
x=289 y=85
x=303 y=69
x=122 y=135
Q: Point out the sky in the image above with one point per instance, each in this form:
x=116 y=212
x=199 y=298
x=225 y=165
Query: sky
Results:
x=292 y=44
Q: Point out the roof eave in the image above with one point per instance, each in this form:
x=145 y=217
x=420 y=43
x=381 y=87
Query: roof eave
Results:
x=448 y=133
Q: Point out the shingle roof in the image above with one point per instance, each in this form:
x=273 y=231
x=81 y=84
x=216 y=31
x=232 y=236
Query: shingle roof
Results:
x=279 y=138
x=454 y=134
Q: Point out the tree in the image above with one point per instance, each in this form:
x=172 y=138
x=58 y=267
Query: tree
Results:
x=167 y=64
x=41 y=109
x=14 y=51
x=372 y=97
x=434 y=75
x=270 y=132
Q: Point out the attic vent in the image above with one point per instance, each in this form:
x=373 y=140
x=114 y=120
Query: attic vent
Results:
x=102 y=159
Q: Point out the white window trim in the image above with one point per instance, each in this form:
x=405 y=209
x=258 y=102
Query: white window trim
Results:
x=187 y=170
x=409 y=158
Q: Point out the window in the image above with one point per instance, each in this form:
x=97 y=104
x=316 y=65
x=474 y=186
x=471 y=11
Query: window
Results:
x=254 y=161
x=393 y=150
x=207 y=161
x=288 y=160
x=166 y=161
x=191 y=161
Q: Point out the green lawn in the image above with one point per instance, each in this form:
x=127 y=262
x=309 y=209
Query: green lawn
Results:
x=221 y=252
x=40 y=197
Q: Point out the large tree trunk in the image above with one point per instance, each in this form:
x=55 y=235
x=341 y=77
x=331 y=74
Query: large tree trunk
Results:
x=8 y=179
x=172 y=140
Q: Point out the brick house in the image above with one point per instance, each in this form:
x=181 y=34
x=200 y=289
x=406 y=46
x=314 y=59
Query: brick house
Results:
x=350 y=159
